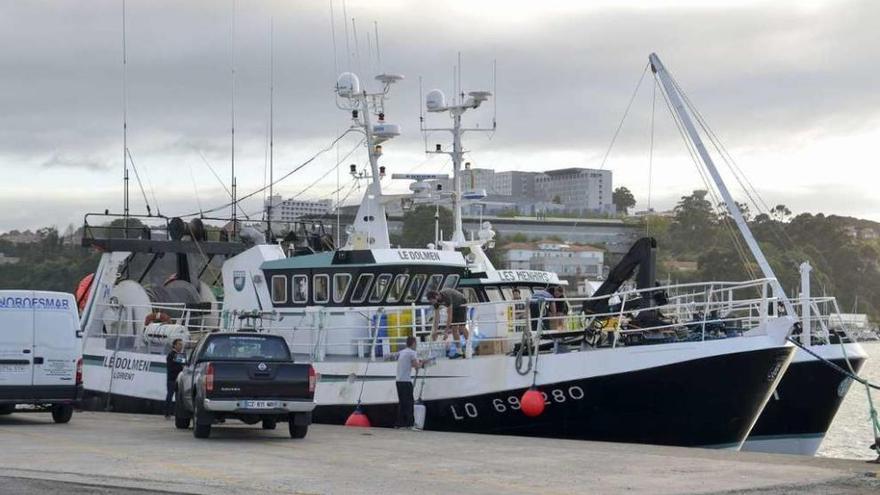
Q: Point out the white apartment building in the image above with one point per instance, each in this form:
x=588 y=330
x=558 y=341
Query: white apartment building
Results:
x=290 y=210
x=580 y=189
x=570 y=261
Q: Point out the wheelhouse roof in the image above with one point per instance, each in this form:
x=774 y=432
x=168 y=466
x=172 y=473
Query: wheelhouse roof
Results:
x=369 y=257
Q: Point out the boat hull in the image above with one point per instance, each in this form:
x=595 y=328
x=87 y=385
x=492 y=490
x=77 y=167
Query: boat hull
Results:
x=804 y=404
x=709 y=402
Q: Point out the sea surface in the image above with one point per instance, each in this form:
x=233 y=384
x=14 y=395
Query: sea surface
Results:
x=851 y=433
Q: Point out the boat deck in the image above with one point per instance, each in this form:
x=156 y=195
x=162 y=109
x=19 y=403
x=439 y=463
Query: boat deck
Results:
x=123 y=452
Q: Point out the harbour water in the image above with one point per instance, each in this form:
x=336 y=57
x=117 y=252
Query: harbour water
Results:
x=850 y=433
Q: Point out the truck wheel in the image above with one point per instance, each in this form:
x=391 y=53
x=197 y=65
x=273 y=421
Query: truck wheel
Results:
x=200 y=429
x=62 y=413
x=296 y=431
x=181 y=415
x=269 y=424
x=6 y=409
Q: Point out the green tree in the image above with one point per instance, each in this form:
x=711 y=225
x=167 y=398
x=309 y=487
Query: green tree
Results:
x=418 y=226
x=623 y=200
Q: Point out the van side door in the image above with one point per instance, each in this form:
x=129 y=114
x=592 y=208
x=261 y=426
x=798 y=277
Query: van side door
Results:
x=16 y=342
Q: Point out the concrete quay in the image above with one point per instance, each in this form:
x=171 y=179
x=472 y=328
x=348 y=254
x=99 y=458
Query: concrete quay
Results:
x=124 y=453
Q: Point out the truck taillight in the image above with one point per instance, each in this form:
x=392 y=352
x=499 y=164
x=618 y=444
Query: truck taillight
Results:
x=79 y=371
x=313 y=379
x=209 y=378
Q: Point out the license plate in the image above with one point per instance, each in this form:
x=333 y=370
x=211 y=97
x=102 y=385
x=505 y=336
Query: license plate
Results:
x=260 y=404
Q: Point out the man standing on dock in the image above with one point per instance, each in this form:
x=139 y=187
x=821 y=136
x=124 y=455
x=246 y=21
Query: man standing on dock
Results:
x=406 y=361
x=173 y=366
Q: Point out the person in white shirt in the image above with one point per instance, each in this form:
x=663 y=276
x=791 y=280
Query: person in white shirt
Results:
x=406 y=361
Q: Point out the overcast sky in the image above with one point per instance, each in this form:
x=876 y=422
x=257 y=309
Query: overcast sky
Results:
x=791 y=88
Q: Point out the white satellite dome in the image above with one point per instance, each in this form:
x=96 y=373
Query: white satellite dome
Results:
x=348 y=85
x=435 y=101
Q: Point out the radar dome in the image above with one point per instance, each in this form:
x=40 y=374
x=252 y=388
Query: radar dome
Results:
x=348 y=85
x=435 y=100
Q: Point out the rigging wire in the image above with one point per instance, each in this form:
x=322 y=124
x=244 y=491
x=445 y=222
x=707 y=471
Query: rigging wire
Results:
x=651 y=159
x=195 y=187
x=282 y=178
x=222 y=184
x=333 y=40
x=616 y=131
x=140 y=184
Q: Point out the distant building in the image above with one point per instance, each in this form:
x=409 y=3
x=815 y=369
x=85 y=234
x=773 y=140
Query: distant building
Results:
x=290 y=210
x=578 y=189
x=515 y=183
x=570 y=261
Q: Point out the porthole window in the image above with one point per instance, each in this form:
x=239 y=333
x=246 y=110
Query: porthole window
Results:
x=415 y=287
x=380 y=287
x=360 y=288
x=433 y=284
x=341 y=281
x=398 y=288
x=300 y=289
x=322 y=288
x=279 y=289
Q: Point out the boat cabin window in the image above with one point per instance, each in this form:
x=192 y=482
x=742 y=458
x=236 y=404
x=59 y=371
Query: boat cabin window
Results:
x=279 y=289
x=415 y=287
x=507 y=290
x=359 y=293
x=493 y=293
x=300 y=289
x=341 y=281
x=322 y=288
x=433 y=284
x=451 y=281
x=470 y=294
x=380 y=287
x=398 y=288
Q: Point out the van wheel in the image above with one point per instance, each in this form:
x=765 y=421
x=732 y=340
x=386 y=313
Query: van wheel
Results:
x=62 y=413
x=6 y=409
x=269 y=424
x=200 y=429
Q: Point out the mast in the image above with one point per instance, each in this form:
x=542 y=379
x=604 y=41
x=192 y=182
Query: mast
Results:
x=125 y=209
x=269 y=236
x=232 y=120
x=679 y=107
x=370 y=227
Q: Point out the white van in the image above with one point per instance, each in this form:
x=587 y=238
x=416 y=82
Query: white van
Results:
x=40 y=352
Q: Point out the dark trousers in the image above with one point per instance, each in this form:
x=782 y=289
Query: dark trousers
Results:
x=169 y=393
x=405 y=404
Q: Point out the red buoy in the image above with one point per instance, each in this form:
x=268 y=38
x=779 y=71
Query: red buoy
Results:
x=532 y=402
x=358 y=419
x=82 y=290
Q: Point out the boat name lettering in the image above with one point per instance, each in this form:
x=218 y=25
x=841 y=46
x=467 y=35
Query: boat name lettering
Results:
x=523 y=276
x=418 y=255
x=126 y=363
x=34 y=303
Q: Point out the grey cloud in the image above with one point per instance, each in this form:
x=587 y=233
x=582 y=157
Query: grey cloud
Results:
x=85 y=163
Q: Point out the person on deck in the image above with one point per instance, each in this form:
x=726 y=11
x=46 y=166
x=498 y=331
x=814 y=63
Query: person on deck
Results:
x=173 y=366
x=559 y=309
x=456 y=315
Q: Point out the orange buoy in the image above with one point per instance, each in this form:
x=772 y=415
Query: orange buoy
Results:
x=532 y=402
x=82 y=290
x=358 y=419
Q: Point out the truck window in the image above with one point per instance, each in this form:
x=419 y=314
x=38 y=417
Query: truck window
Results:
x=279 y=289
x=245 y=348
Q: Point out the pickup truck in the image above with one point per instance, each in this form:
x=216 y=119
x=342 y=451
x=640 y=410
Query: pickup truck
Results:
x=247 y=376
